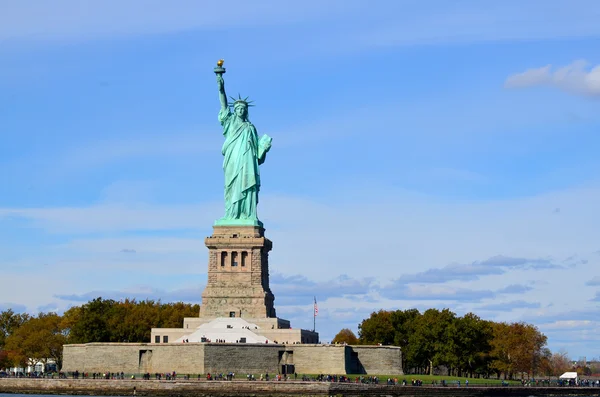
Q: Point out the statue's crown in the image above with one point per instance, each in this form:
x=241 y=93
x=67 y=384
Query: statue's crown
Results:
x=240 y=100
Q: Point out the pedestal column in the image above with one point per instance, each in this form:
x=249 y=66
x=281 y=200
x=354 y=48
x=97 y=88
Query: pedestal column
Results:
x=238 y=274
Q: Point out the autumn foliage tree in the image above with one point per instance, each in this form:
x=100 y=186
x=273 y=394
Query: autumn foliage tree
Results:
x=37 y=340
x=4 y=360
x=345 y=336
x=517 y=348
x=27 y=340
x=106 y=320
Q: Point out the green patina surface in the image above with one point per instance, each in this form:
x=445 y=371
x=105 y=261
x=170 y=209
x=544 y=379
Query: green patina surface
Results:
x=243 y=153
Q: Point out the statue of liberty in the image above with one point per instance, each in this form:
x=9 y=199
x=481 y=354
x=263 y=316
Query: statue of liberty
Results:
x=243 y=153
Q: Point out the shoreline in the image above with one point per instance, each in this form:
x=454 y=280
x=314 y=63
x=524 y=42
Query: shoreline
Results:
x=195 y=388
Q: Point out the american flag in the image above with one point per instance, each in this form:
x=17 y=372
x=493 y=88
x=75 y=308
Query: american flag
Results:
x=316 y=308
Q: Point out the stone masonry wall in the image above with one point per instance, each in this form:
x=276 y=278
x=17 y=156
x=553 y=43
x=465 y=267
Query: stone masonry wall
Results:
x=319 y=359
x=201 y=358
x=242 y=289
x=185 y=358
x=134 y=357
x=242 y=359
x=102 y=357
x=385 y=360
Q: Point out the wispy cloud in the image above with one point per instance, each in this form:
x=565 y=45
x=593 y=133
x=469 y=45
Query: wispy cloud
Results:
x=50 y=307
x=509 y=306
x=515 y=289
x=576 y=78
x=593 y=282
x=435 y=293
x=142 y=292
x=571 y=324
x=546 y=317
x=15 y=307
x=473 y=271
x=290 y=288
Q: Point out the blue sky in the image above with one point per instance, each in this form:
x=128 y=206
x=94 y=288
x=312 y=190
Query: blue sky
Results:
x=425 y=154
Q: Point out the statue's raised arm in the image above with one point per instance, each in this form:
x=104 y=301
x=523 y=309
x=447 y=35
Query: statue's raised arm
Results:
x=222 y=95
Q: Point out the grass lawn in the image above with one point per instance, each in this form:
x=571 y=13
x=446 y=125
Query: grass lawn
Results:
x=426 y=379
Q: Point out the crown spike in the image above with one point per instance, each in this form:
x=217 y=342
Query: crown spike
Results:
x=240 y=100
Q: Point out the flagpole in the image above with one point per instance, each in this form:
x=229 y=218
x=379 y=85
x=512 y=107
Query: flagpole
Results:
x=315 y=315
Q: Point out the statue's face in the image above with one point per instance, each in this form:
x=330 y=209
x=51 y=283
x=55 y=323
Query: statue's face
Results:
x=241 y=111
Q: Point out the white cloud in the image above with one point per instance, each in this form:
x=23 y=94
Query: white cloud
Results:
x=576 y=78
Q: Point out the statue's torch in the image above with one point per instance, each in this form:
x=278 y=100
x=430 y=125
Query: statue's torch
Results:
x=219 y=70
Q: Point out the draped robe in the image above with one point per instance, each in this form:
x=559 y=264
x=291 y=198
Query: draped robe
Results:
x=242 y=156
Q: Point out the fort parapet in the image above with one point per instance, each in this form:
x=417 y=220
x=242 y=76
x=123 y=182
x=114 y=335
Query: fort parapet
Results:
x=240 y=358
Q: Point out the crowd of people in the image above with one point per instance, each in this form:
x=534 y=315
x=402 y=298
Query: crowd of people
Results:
x=230 y=376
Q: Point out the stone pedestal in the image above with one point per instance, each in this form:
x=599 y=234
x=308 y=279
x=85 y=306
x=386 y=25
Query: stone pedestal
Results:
x=238 y=274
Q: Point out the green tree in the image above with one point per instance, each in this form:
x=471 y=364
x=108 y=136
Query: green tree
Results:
x=378 y=328
x=430 y=345
x=90 y=322
x=124 y=321
x=404 y=323
x=172 y=314
x=472 y=344
x=345 y=336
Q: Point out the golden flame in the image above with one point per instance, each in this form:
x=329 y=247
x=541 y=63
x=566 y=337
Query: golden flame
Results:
x=220 y=62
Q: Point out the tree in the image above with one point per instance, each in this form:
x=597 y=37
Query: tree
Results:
x=9 y=322
x=404 y=323
x=378 y=328
x=545 y=367
x=431 y=344
x=90 y=322
x=527 y=351
x=5 y=362
x=345 y=336
x=560 y=363
x=472 y=344
x=517 y=348
x=38 y=339
x=501 y=356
